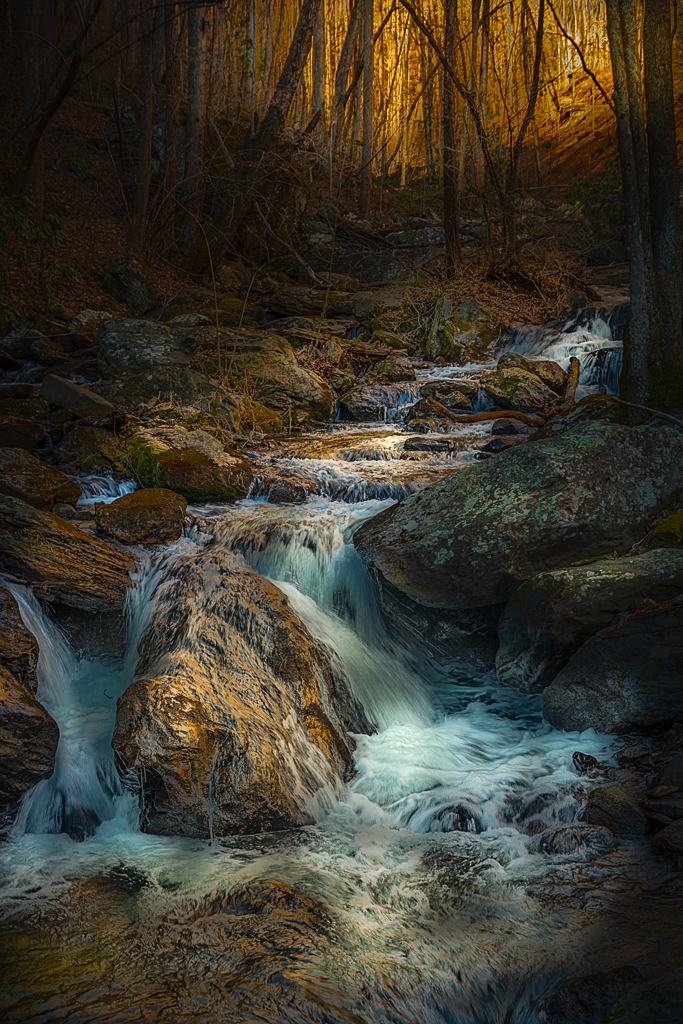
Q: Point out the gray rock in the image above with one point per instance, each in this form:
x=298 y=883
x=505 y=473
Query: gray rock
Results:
x=79 y=400
x=550 y=616
x=651 y=1002
x=615 y=808
x=627 y=677
x=433 y=235
x=370 y=401
x=129 y=347
x=469 y=540
x=131 y=283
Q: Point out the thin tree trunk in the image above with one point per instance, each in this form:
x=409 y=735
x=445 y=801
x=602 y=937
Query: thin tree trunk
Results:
x=319 y=65
x=171 y=129
x=450 y=164
x=368 y=97
x=196 y=114
x=342 y=77
x=138 y=225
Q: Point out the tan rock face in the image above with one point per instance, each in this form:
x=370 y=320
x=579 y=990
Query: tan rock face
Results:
x=24 y=476
x=241 y=724
x=150 y=516
x=550 y=372
x=18 y=646
x=71 y=567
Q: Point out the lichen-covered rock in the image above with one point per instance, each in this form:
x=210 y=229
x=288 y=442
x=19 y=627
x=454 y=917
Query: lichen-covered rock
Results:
x=591 y=409
x=130 y=347
x=471 y=539
x=149 y=516
x=627 y=677
x=192 y=463
x=443 y=387
x=550 y=372
x=24 y=476
x=132 y=283
x=70 y=566
x=239 y=722
x=19 y=433
x=550 y=616
x=668 y=533
x=615 y=808
x=517 y=389
x=370 y=401
x=84 y=326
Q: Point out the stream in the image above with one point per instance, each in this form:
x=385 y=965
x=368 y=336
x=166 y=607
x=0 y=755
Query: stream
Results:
x=421 y=894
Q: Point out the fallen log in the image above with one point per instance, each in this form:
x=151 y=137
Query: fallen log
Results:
x=494 y=414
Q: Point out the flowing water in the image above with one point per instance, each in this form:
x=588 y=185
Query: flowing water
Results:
x=421 y=894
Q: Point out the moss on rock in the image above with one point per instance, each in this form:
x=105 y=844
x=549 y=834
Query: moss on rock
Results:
x=149 y=516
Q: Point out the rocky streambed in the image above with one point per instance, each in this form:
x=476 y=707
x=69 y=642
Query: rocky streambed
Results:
x=354 y=724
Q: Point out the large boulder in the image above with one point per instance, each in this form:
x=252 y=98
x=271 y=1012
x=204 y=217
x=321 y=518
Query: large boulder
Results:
x=371 y=401
x=547 y=370
x=28 y=735
x=471 y=539
x=550 y=616
x=20 y=433
x=70 y=566
x=24 y=476
x=192 y=463
x=518 y=389
x=149 y=516
x=132 y=283
x=263 y=365
x=239 y=722
x=591 y=409
x=627 y=677
x=130 y=347
x=79 y=400
x=88 y=449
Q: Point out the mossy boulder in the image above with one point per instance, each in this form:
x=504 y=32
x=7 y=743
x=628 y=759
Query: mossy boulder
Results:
x=591 y=409
x=668 y=533
x=69 y=566
x=298 y=301
x=25 y=408
x=391 y=340
x=91 y=450
x=149 y=516
x=392 y=369
x=24 y=476
x=192 y=463
x=550 y=372
x=473 y=538
x=549 y=617
x=627 y=677
x=517 y=389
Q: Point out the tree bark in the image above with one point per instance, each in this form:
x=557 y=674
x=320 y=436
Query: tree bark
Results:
x=196 y=117
x=138 y=226
x=171 y=129
x=368 y=97
x=451 y=189
x=342 y=77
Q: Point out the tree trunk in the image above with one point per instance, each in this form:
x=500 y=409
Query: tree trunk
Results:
x=342 y=77
x=319 y=68
x=253 y=159
x=368 y=97
x=171 y=130
x=450 y=161
x=482 y=95
x=196 y=117
x=138 y=225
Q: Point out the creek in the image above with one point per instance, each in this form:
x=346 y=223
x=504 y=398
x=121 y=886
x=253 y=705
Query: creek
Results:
x=420 y=894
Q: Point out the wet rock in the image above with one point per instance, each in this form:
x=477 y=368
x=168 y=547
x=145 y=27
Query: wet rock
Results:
x=71 y=567
x=426 y=409
x=48 y=352
x=84 y=326
x=500 y=444
x=297 y=301
x=519 y=390
x=632 y=754
x=672 y=772
x=131 y=283
x=505 y=427
x=550 y=372
x=239 y=723
x=626 y=678
x=668 y=533
x=615 y=808
x=591 y=409
x=369 y=401
x=130 y=347
x=18 y=433
x=651 y=1002
x=585 y=999
x=565 y=839
x=28 y=739
x=288 y=487
x=148 y=516
x=669 y=842
x=25 y=408
x=266 y=362
x=443 y=388
x=429 y=445
x=24 y=476
x=394 y=369
x=79 y=400
x=191 y=463
x=469 y=540
x=550 y=616
x=585 y=763
x=91 y=450
x=18 y=646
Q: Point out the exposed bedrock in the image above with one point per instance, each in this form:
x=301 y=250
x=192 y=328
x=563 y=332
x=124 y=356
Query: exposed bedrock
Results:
x=549 y=617
x=239 y=723
x=470 y=540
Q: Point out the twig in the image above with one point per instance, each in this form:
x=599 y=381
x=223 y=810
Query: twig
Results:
x=581 y=58
x=655 y=412
x=226 y=155
x=290 y=249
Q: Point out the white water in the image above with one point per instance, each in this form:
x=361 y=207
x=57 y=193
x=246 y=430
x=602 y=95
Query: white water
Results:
x=103 y=489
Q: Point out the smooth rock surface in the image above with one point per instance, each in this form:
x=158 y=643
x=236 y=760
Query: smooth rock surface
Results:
x=469 y=540
x=550 y=616
x=239 y=723
x=615 y=808
x=627 y=677
x=24 y=476
x=550 y=372
x=70 y=566
x=191 y=463
x=149 y=516
x=370 y=401
x=517 y=389
x=79 y=400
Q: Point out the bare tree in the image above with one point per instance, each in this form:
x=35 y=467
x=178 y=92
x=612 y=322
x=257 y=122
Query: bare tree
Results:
x=368 y=106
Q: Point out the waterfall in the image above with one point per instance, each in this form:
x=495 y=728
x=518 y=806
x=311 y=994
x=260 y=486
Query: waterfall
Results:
x=103 y=488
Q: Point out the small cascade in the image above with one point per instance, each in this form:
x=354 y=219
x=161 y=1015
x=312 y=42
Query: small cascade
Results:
x=103 y=488
x=602 y=369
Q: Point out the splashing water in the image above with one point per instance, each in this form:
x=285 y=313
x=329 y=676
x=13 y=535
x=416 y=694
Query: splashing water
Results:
x=103 y=489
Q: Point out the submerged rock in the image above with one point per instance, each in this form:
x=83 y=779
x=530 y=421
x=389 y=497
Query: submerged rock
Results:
x=70 y=567
x=240 y=724
x=149 y=516
x=627 y=677
x=24 y=476
x=549 y=617
x=471 y=539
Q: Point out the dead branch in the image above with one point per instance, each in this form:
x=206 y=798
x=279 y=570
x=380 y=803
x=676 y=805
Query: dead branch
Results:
x=495 y=414
x=290 y=248
x=223 y=148
x=572 y=383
